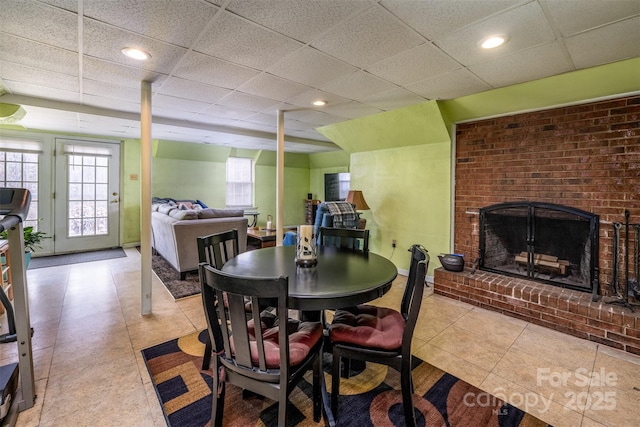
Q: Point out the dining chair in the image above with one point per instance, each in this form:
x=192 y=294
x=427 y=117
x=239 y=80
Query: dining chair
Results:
x=381 y=335
x=215 y=250
x=346 y=238
x=269 y=361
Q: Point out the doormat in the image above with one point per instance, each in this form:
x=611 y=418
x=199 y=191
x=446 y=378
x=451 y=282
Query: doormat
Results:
x=76 y=258
x=369 y=397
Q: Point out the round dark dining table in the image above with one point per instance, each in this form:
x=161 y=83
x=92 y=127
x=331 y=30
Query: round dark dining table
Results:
x=340 y=279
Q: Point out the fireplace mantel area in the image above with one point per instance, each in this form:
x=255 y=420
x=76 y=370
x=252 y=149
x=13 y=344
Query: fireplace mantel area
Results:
x=585 y=157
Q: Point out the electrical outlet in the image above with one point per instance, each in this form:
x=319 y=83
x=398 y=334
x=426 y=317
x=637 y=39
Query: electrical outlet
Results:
x=393 y=243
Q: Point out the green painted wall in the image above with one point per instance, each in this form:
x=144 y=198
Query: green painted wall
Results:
x=408 y=190
x=296 y=187
x=414 y=125
x=130 y=200
x=321 y=163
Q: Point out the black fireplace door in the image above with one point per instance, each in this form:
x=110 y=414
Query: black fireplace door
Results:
x=551 y=243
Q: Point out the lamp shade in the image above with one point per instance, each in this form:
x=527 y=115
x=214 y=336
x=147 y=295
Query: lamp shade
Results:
x=356 y=198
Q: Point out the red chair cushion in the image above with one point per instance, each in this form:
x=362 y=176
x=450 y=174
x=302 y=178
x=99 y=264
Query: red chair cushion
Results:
x=300 y=343
x=368 y=326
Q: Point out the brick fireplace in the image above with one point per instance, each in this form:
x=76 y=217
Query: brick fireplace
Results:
x=584 y=156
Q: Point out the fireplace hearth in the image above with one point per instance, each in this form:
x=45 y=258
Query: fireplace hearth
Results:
x=545 y=242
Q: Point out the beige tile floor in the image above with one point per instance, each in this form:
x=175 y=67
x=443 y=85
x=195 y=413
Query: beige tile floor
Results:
x=89 y=371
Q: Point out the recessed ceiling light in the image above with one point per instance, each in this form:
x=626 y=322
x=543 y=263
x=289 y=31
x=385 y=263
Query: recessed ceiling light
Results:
x=134 y=53
x=319 y=103
x=493 y=41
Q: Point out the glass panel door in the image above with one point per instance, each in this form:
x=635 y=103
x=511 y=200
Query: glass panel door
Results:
x=87 y=195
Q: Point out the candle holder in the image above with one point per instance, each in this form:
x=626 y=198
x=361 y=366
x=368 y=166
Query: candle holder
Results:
x=306 y=247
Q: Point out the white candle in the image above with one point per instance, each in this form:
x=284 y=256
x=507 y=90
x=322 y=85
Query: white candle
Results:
x=305 y=233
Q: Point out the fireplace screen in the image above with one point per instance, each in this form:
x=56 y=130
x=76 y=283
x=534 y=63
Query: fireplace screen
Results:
x=550 y=243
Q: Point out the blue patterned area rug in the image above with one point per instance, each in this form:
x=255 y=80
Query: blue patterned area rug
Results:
x=369 y=398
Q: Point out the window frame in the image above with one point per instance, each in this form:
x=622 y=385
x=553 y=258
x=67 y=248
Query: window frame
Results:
x=231 y=180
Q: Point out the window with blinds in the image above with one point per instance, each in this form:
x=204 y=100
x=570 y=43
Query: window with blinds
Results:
x=19 y=169
x=239 y=182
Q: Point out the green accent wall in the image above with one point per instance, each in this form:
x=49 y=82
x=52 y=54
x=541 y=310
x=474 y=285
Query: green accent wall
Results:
x=414 y=125
x=322 y=163
x=130 y=214
x=409 y=192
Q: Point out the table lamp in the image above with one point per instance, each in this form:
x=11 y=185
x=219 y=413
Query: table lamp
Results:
x=356 y=198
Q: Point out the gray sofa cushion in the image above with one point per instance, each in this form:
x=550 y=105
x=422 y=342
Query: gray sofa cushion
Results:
x=220 y=213
x=183 y=214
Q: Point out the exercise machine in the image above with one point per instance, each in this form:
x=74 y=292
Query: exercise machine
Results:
x=17 y=394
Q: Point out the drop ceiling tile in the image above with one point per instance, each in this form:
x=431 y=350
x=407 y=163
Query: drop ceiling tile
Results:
x=437 y=18
x=358 y=85
x=96 y=69
x=69 y=5
x=306 y=99
x=259 y=122
x=530 y=64
x=110 y=90
x=106 y=42
x=215 y=120
x=247 y=102
x=111 y=103
x=301 y=20
x=32 y=76
x=393 y=99
x=263 y=119
x=570 y=19
x=296 y=125
x=526 y=26
x=180 y=104
x=188 y=89
x=368 y=37
x=311 y=67
x=606 y=44
x=226 y=112
x=272 y=87
x=318 y=118
x=35 y=91
x=40 y=22
x=448 y=86
x=206 y=69
x=352 y=110
x=38 y=55
x=243 y=42
x=416 y=64
x=156 y=19
x=110 y=121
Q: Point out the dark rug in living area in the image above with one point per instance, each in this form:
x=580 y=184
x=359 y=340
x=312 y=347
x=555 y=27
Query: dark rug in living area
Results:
x=170 y=278
x=369 y=398
x=76 y=258
x=177 y=287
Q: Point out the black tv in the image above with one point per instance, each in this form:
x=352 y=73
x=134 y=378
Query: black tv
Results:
x=336 y=186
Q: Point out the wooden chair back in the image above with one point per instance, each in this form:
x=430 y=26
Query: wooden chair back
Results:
x=247 y=362
x=346 y=238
